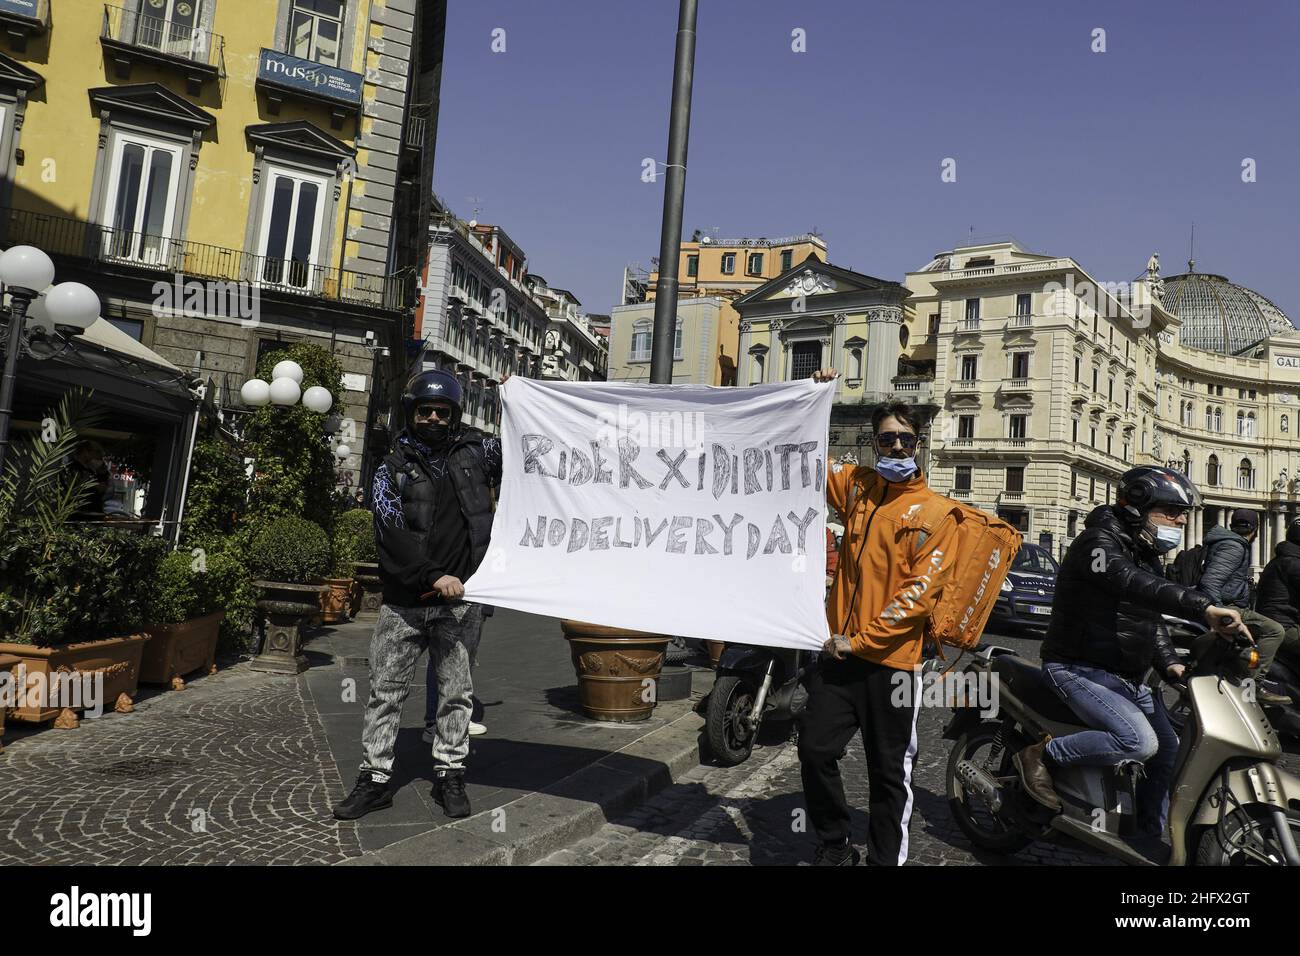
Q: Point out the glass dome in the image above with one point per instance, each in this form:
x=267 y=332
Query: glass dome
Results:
x=1221 y=316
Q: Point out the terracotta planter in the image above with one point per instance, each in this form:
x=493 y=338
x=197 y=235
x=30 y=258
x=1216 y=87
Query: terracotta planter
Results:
x=285 y=607
x=715 y=649
x=336 y=602
x=616 y=669
x=117 y=658
x=7 y=663
x=372 y=588
x=178 y=649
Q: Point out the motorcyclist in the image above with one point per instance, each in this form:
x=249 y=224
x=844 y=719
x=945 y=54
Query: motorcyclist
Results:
x=1106 y=630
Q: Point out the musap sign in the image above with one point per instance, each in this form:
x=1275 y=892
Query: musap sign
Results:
x=674 y=509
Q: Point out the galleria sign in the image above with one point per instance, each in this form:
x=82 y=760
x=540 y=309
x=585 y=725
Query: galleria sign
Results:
x=1284 y=360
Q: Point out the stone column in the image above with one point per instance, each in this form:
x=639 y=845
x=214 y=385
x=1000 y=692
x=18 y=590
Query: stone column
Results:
x=1279 y=531
x=882 y=349
x=1255 y=546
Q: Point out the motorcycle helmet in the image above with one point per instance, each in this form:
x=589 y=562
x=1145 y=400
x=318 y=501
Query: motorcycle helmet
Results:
x=431 y=385
x=1142 y=488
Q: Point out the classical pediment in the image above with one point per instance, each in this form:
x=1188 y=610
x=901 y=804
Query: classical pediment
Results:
x=812 y=278
x=13 y=75
x=300 y=136
x=152 y=100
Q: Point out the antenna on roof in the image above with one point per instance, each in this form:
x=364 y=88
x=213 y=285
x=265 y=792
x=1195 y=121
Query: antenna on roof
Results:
x=1191 y=251
x=477 y=204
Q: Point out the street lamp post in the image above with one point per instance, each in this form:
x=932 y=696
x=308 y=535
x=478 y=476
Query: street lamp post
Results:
x=25 y=271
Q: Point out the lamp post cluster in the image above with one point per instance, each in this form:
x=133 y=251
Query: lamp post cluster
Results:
x=37 y=309
x=285 y=389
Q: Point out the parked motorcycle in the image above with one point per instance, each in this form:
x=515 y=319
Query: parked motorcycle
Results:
x=1231 y=803
x=753 y=684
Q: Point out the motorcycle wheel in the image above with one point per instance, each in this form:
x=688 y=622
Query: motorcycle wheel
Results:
x=1250 y=826
x=975 y=819
x=729 y=738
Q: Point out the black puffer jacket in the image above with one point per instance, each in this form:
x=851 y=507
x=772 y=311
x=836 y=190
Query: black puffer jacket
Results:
x=1279 y=586
x=1109 y=598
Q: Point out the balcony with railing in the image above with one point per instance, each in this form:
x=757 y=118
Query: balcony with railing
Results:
x=966 y=385
x=1010 y=385
x=21 y=19
x=1003 y=270
x=153 y=256
x=131 y=37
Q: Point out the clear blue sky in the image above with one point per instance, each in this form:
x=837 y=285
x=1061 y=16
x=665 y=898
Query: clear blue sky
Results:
x=1105 y=157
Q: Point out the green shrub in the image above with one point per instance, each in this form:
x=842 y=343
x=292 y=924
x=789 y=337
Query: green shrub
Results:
x=290 y=549
x=354 y=540
x=77 y=584
x=228 y=586
x=176 y=590
x=216 y=497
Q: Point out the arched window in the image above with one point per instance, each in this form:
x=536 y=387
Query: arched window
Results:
x=1241 y=423
x=1187 y=463
x=903 y=336
x=1286 y=423
x=1218 y=419
x=1250 y=424
x=1246 y=475
x=1209 y=418
x=1212 y=470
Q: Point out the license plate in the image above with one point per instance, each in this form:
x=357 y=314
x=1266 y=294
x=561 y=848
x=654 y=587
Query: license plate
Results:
x=1039 y=609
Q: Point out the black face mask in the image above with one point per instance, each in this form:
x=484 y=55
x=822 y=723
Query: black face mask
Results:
x=433 y=434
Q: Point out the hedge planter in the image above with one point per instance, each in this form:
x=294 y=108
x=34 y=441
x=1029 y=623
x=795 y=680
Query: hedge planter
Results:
x=336 y=603
x=372 y=588
x=116 y=658
x=7 y=663
x=178 y=649
x=286 y=607
x=617 y=669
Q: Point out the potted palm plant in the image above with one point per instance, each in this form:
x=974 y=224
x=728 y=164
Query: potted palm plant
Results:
x=72 y=598
x=289 y=556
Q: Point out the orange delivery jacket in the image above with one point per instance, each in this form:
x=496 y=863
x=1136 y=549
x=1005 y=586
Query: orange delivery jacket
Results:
x=895 y=555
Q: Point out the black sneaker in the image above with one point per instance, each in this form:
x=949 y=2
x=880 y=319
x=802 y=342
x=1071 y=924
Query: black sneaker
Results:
x=367 y=796
x=449 y=793
x=836 y=854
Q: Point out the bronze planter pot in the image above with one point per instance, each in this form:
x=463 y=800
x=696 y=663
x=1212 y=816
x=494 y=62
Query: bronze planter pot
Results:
x=336 y=603
x=178 y=649
x=372 y=587
x=617 y=669
x=117 y=658
x=285 y=607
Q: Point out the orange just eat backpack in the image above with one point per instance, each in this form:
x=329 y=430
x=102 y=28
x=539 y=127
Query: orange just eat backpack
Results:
x=985 y=548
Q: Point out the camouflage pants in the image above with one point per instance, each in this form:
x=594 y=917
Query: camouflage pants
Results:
x=451 y=635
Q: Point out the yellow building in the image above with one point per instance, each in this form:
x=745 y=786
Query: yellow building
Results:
x=711 y=274
x=229 y=175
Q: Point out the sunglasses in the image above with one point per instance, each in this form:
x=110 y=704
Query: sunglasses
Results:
x=886 y=440
x=428 y=411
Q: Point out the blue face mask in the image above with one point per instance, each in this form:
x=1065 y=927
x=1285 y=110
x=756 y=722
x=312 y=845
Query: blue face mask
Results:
x=1166 y=539
x=896 y=469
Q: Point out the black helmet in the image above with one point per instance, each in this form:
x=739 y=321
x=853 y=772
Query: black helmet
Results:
x=430 y=385
x=1143 y=487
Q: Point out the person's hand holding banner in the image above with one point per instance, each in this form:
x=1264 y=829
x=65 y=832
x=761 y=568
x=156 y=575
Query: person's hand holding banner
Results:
x=674 y=509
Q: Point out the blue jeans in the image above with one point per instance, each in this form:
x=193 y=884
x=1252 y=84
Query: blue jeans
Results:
x=1131 y=724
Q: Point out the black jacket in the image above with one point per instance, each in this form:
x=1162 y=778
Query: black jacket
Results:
x=1279 y=586
x=1109 y=598
x=1225 y=576
x=404 y=511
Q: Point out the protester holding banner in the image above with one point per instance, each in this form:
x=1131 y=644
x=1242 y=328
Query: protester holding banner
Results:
x=433 y=516
x=893 y=561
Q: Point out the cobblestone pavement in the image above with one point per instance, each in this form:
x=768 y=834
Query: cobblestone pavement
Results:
x=234 y=769
x=754 y=814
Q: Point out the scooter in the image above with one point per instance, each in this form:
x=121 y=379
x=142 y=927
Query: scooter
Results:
x=1283 y=676
x=753 y=684
x=1230 y=803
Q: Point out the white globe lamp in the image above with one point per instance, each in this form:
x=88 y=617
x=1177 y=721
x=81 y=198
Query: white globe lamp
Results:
x=287 y=369
x=72 y=304
x=284 y=391
x=343 y=452
x=318 y=399
x=256 y=392
x=26 y=267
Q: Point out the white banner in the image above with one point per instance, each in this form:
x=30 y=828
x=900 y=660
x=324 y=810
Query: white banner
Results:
x=688 y=510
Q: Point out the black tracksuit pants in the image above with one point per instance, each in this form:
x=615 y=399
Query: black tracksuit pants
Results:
x=883 y=702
